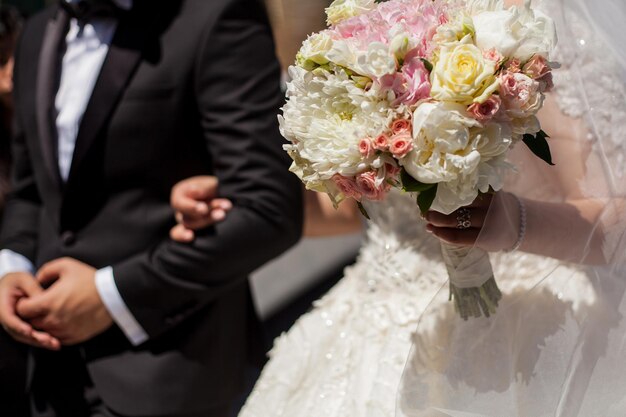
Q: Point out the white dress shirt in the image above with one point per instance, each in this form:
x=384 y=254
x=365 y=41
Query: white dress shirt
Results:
x=86 y=49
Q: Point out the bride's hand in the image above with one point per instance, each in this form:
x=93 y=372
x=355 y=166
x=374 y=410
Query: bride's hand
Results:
x=501 y=233
x=196 y=205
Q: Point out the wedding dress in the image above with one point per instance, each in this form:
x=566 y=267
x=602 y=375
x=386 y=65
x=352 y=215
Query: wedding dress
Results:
x=385 y=341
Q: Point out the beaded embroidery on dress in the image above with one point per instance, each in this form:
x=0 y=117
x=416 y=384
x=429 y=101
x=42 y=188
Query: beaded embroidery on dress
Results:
x=346 y=356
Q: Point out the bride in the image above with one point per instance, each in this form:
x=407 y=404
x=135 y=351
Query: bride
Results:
x=386 y=341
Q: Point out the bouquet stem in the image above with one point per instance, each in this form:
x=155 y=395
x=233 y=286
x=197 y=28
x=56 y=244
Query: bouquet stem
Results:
x=472 y=284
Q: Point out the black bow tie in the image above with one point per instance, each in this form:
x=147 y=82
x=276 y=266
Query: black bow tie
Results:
x=85 y=10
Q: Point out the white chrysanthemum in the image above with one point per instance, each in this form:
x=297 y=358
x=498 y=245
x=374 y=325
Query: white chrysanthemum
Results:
x=325 y=116
x=456 y=152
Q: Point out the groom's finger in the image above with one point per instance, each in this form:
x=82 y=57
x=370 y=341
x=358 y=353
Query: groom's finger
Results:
x=51 y=271
x=29 y=308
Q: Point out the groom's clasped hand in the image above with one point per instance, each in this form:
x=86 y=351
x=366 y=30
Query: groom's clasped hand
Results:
x=58 y=306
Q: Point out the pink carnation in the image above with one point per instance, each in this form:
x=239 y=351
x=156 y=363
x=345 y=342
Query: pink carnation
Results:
x=366 y=183
x=401 y=144
x=366 y=147
x=347 y=186
x=484 y=112
x=417 y=78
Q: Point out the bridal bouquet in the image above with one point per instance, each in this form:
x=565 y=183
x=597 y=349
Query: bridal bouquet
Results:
x=423 y=95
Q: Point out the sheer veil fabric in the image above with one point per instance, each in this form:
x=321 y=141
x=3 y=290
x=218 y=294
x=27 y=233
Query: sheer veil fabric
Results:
x=556 y=346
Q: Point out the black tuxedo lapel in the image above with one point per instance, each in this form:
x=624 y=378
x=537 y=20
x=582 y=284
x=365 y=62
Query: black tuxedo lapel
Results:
x=48 y=72
x=119 y=65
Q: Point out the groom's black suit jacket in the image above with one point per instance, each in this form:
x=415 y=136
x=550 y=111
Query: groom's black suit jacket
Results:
x=188 y=87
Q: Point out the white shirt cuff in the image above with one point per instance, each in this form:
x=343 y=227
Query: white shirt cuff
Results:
x=14 y=262
x=105 y=284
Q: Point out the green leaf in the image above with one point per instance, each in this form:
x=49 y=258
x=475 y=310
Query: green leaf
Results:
x=427 y=64
x=539 y=146
x=362 y=210
x=425 y=198
x=412 y=185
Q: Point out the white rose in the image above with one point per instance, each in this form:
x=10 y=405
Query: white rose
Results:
x=462 y=74
x=315 y=48
x=456 y=152
x=517 y=32
x=441 y=134
x=344 y=9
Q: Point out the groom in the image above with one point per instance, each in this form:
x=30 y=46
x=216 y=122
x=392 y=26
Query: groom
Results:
x=116 y=101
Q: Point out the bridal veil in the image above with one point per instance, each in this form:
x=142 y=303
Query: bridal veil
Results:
x=557 y=344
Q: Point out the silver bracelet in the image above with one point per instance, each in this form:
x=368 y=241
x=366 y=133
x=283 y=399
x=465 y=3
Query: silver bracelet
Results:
x=522 y=224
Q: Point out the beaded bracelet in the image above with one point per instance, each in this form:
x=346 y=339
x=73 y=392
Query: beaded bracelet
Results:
x=522 y=225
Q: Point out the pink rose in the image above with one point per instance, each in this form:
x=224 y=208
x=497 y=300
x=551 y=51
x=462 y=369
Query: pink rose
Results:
x=401 y=144
x=508 y=84
x=381 y=142
x=366 y=183
x=401 y=125
x=513 y=65
x=521 y=96
x=484 y=112
x=492 y=55
x=347 y=186
x=536 y=67
x=366 y=147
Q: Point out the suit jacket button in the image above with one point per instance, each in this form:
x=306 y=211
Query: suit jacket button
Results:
x=68 y=238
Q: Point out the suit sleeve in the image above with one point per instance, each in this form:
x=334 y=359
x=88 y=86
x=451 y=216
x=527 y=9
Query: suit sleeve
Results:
x=21 y=215
x=238 y=95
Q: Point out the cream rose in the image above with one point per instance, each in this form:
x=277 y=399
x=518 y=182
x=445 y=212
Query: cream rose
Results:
x=462 y=74
x=314 y=49
x=344 y=9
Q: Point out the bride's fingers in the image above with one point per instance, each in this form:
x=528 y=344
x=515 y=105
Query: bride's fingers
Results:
x=221 y=203
x=180 y=233
x=477 y=218
x=461 y=237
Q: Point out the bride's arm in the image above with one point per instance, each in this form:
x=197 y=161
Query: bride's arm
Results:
x=561 y=220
